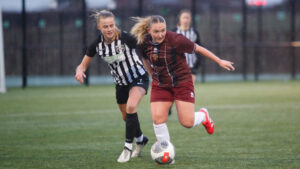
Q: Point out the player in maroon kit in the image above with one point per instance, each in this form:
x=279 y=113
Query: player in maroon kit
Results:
x=163 y=56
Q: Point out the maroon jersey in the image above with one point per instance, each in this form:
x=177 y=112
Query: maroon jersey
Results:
x=168 y=59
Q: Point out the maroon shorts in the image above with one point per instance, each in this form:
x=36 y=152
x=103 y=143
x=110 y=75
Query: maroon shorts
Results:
x=184 y=92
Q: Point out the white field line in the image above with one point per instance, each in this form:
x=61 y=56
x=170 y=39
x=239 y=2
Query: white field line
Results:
x=69 y=95
x=253 y=105
x=100 y=111
x=294 y=105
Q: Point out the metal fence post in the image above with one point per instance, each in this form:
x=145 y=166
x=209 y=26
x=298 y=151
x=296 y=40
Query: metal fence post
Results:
x=244 y=39
x=61 y=41
x=292 y=38
x=193 y=10
x=257 y=52
x=24 y=46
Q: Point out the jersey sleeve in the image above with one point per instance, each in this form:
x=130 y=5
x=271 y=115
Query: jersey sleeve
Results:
x=129 y=40
x=183 y=44
x=91 y=50
x=198 y=41
x=141 y=51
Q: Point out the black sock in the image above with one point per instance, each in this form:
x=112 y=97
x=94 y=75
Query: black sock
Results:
x=138 y=129
x=132 y=125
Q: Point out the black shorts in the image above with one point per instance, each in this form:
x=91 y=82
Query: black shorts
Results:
x=194 y=71
x=122 y=92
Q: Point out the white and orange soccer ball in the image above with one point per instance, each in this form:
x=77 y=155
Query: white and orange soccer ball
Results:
x=163 y=152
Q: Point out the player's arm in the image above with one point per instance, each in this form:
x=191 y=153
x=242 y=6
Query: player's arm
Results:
x=82 y=67
x=147 y=66
x=222 y=63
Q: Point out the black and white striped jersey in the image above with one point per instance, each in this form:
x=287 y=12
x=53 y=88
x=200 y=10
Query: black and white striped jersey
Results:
x=192 y=35
x=121 y=56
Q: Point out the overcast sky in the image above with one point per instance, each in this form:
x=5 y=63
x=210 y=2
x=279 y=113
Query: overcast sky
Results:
x=33 y=5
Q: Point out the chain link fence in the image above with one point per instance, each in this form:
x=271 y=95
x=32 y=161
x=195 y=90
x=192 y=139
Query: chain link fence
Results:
x=261 y=41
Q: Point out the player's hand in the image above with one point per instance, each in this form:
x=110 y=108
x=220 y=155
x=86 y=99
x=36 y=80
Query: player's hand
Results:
x=79 y=76
x=226 y=65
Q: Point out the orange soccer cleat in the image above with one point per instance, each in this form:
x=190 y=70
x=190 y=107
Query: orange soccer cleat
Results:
x=208 y=122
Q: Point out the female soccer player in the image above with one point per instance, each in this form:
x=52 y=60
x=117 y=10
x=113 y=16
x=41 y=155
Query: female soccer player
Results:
x=163 y=56
x=184 y=28
x=118 y=50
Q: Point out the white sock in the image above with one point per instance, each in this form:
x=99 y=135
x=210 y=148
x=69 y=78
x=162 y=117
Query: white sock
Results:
x=128 y=145
x=199 y=118
x=140 y=138
x=161 y=131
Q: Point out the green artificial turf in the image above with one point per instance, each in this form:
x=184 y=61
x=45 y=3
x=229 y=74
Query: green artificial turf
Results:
x=257 y=126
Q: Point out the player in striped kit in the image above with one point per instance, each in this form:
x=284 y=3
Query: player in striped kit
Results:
x=184 y=28
x=117 y=48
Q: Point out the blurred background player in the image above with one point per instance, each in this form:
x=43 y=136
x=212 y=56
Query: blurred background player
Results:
x=184 y=27
x=163 y=54
x=117 y=48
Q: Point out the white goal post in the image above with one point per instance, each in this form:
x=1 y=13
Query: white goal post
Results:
x=2 y=68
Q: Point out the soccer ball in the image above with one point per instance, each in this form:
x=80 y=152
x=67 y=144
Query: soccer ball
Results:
x=163 y=152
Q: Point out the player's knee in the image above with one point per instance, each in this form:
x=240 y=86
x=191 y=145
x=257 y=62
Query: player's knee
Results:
x=187 y=124
x=158 y=121
x=158 y=118
x=131 y=108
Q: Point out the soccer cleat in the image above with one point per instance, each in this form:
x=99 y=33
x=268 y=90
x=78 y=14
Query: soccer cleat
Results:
x=138 y=147
x=125 y=155
x=208 y=122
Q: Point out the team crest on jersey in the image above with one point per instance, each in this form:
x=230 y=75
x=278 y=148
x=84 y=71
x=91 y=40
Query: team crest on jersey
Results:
x=120 y=48
x=154 y=55
x=192 y=95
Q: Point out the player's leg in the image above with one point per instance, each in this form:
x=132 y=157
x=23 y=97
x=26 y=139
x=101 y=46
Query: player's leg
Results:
x=184 y=100
x=194 y=78
x=161 y=102
x=122 y=108
x=185 y=113
x=122 y=94
x=159 y=112
x=135 y=95
x=137 y=90
x=188 y=118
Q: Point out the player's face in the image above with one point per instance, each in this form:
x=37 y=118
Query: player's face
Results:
x=108 y=27
x=158 y=32
x=185 y=19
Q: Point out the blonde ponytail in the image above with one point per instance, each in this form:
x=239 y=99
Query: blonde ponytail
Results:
x=139 y=30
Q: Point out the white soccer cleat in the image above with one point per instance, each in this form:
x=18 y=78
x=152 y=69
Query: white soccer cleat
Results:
x=138 y=147
x=125 y=155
